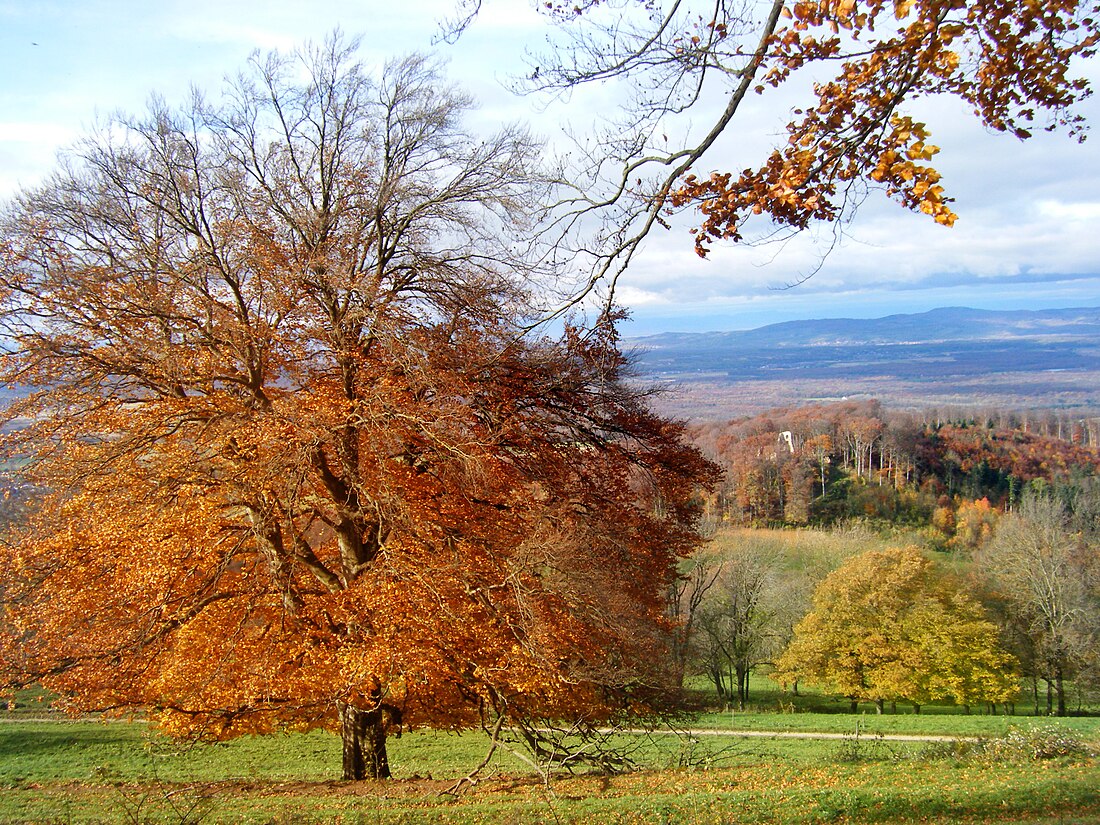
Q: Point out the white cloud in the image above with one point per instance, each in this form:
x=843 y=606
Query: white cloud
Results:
x=1082 y=213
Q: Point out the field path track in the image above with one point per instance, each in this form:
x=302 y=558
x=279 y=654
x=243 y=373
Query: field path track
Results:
x=758 y=734
x=773 y=734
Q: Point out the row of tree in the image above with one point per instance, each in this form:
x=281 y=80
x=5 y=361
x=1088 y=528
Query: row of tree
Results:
x=1075 y=426
x=825 y=463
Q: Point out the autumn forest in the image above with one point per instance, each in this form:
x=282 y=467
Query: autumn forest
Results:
x=819 y=464
x=999 y=514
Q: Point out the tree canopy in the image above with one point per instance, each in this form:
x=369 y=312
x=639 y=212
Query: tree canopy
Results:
x=856 y=459
x=302 y=461
x=888 y=625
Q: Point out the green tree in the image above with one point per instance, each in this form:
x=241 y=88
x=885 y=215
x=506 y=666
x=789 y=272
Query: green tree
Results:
x=889 y=625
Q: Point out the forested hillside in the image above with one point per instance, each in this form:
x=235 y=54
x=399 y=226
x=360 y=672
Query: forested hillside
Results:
x=819 y=464
x=1014 y=500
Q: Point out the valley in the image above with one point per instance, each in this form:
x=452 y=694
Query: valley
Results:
x=946 y=358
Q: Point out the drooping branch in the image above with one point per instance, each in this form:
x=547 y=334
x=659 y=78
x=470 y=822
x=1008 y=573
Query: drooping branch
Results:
x=853 y=134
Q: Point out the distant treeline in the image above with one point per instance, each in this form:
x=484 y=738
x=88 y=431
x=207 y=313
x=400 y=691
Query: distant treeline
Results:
x=828 y=463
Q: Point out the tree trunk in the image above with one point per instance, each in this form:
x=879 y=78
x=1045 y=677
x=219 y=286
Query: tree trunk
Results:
x=1060 y=691
x=364 y=738
x=717 y=678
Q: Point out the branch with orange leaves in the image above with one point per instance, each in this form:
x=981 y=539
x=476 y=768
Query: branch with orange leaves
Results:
x=1011 y=63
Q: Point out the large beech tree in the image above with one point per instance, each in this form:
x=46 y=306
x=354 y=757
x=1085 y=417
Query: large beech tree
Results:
x=302 y=461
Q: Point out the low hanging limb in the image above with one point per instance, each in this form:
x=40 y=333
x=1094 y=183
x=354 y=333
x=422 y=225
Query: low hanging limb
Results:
x=551 y=747
x=473 y=776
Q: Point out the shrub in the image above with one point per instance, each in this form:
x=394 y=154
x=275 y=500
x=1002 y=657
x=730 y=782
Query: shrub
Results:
x=1031 y=744
x=1045 y=742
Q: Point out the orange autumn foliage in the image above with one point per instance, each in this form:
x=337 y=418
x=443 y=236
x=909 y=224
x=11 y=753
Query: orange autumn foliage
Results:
x=1008 y=61
x=847 y=77
x=301 y=464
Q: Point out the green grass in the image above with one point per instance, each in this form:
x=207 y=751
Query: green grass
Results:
x=87 y=771
x=127 y=751
x=871 y=723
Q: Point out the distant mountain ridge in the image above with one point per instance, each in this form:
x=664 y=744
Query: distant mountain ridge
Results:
x=957 y=355
x=944 y=324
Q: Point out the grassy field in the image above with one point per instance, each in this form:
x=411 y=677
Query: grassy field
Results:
x=90 y=771
x=1022 y=769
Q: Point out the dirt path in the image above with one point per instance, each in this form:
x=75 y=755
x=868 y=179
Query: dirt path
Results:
x=760 y=734
x=771 y=734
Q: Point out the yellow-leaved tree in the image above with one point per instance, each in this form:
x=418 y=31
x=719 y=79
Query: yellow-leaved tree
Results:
x=888 y=625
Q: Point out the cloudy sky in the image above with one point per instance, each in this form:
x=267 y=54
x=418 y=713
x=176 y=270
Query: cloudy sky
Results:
x=1028 y=235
